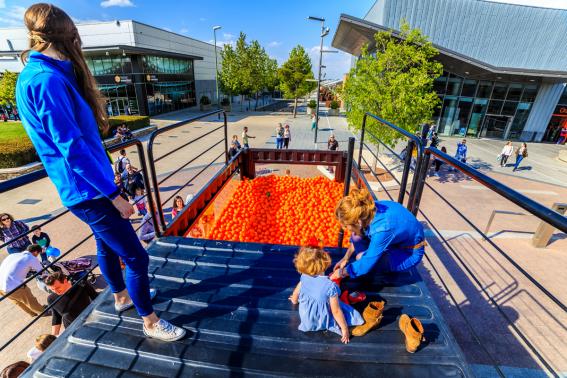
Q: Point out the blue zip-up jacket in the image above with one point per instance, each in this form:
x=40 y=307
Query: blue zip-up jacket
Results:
x=62 y=127
x=394 y=230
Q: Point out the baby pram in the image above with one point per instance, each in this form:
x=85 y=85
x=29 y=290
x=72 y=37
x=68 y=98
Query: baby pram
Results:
x=74 y=269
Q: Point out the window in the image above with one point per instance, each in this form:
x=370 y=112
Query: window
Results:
x=530 y=92
x=499 y=92
x=440 y=83
x=494 y=106
x=469 y=88
x=454 y=85
x=514 y=92
x=484 y=89
x=509 y=108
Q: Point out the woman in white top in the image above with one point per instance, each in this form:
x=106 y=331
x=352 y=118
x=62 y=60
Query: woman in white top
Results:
x=507 y=151
x=286 y=136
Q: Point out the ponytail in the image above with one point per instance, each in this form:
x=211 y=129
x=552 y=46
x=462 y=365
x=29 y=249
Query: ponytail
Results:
x=357 y=206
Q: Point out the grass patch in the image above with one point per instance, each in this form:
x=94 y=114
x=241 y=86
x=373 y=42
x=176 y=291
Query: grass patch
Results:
x=10 y=131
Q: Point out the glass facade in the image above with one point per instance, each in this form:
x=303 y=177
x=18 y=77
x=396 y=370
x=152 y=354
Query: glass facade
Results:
x=558 y=120
x=167 y=83
x=482 y=108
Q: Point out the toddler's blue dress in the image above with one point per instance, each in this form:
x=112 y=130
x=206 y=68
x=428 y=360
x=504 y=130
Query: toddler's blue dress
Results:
x=315 y=306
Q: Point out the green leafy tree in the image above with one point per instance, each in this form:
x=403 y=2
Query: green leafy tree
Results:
x=395 y=83
x=228 y=75
x=294 y=75
x=8 y=88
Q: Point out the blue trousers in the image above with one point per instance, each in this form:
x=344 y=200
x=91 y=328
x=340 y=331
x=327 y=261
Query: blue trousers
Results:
x=279 y=143
x=115 y=238
x=392 y=260
x=519 y=159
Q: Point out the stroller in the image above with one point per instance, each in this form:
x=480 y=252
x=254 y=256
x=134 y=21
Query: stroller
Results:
x=74 y=269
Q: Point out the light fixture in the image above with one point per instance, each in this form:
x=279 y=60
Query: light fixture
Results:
x=216 y=27
x=123 y=53
x=467 y=72
x=532 y=80
x=107 y=53
x=499 y=77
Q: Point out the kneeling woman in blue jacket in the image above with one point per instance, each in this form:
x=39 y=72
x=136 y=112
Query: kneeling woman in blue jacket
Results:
x=61 y=111
x=386 y=237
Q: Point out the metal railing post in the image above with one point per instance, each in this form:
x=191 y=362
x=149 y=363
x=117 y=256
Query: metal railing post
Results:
x=359 y=161
x=149 y=188
x=348 y=174
x=414 y=183
x=419 y=178
x=405 y=173
x=225 y=137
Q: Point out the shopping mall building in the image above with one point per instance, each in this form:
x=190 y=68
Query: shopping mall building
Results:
x=140 y=69
x=505 y=65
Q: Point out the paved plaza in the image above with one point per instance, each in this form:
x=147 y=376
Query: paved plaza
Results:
x=477 y=274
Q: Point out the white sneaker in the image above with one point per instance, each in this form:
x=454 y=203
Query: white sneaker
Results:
x=128 y=305
x=165 y=331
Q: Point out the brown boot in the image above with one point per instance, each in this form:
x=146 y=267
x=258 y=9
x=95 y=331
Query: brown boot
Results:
x=372 y=316
x=413 y=331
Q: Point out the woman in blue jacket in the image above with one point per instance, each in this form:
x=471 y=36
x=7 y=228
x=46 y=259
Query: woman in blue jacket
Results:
x=386 y=237
x=61 y=111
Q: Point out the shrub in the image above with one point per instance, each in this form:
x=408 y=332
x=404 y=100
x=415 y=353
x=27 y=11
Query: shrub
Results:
x=133 y=123
x=312 y=104
x=17 y=152
x=225 y=102
x=334 y=104
x=205 y=100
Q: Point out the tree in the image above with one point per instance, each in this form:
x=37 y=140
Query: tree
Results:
x=228 y=75
x=8 y=88
x=395 y=83
x=294 y=74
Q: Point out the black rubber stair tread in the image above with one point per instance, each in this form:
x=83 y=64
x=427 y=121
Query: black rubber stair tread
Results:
x=232 y=298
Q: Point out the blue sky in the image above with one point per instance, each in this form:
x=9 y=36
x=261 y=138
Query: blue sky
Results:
x=277 y=25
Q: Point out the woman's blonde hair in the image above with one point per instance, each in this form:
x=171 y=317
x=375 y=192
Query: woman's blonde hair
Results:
x=311 y=261
x=357 y=206
x=51 y=26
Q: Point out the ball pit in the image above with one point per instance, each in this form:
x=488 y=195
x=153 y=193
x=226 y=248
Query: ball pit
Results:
x=280 y=210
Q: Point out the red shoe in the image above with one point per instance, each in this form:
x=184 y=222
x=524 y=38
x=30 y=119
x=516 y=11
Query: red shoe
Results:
x=354 y=297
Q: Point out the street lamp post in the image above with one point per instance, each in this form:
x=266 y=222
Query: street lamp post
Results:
x=215 y=28
x=324 y=32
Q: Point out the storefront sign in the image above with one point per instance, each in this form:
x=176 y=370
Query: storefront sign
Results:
x=122 y=79
x=560 y=111
x=151 y=78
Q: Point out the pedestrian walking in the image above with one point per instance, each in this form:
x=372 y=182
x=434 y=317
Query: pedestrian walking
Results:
x=13 y=272
x=333 y=145
x=431 y=132
x=279 y=136
x=313 y=122
x=287 y=136
x=437 y=163
x=461 y=154
x=16 y=114
x=10 y=229
x=434 y=140
x=59 y=104
x=121 y=162
x=236 y=142
x=132 y=179
x=245 y=137
x=521 y=154
x=424 y=133
x=506 y=152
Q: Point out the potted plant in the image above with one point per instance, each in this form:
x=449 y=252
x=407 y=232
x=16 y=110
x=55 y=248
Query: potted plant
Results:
x=311 y=105
x=205 y=103
x=225 y=104
x=334 y=110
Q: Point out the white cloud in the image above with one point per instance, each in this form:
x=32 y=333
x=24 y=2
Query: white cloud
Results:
x=228 y=36
x=12 y=16
x=274 y=44
x=2 y=3
x=116 y=3
x=220 y=43
x=184 y=30
x=202 y=19
x=166 y=28
x=337 y=64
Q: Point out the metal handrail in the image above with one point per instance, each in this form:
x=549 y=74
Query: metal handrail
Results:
x=413 y=142
x=151 y=204
x=150 y=151
x=542 y=212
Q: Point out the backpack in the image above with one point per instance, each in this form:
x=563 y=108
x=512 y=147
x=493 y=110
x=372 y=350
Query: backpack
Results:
x=281 y=132
x=119 y=166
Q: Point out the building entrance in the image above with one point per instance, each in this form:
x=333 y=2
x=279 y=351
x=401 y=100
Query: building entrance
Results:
x=495 y=126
